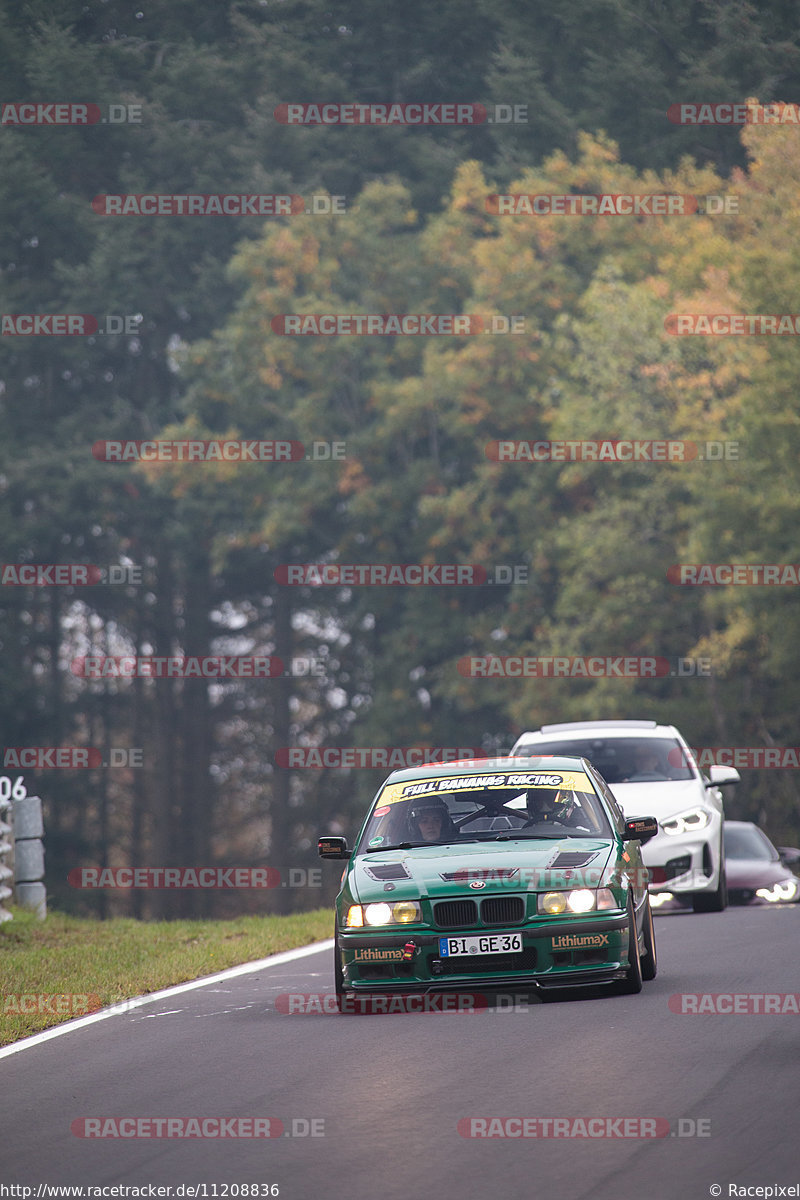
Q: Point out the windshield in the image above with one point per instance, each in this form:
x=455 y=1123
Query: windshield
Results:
x=442 y=811
x=623 y=759
x=747 y=843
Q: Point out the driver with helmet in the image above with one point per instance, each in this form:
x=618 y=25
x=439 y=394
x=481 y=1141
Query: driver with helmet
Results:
x=550 y=806
x=429 y=820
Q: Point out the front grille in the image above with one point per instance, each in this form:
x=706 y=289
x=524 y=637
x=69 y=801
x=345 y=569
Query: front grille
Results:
x=503 y=910
x=486 y=964
x=455 y=914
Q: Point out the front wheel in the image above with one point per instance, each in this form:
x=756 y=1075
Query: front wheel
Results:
x=632 y=982
x=338 y=974
x=716 y=901
x=650 y=959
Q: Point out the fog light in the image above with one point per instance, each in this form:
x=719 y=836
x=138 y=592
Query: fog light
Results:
x=405 y=912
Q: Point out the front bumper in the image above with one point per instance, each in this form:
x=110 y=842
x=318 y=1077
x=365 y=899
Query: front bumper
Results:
x=683 y=863
x=555 y=953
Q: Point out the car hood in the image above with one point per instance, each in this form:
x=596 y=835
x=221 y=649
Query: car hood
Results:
x=659 y=800
x=754 y=873
x=442 y=871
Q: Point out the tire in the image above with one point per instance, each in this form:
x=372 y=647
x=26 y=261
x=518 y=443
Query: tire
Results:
x=338 y=975
x=650 y=960
x=632 y=983
x=716 y=901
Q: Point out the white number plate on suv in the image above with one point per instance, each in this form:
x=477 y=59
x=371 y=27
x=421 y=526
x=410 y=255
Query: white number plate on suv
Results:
x=492 y=943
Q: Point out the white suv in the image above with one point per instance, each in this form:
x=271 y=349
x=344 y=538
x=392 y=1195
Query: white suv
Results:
x=652 y=772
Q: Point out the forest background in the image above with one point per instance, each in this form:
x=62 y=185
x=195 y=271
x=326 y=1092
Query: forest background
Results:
x=199 y=547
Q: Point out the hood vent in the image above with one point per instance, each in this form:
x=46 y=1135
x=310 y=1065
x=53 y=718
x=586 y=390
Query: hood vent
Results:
x=383 y=871
x=572 y=858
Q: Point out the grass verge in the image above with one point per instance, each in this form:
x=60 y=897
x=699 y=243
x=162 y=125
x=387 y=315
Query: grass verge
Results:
x=66 y=956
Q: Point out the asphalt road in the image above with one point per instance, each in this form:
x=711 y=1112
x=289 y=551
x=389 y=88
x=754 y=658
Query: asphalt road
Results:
x=377 y=1106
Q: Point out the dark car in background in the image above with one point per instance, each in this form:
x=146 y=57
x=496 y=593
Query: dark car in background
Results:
x=756 y=869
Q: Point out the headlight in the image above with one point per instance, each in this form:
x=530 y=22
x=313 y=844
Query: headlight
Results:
x=355 y=916
x=691 y=821
x=786 y=890
x=579 y=900
x=405 y=912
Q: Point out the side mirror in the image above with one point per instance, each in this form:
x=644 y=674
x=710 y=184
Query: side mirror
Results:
x=720 y=776
x=790 y=855
x=640 y=829
x=333 y=847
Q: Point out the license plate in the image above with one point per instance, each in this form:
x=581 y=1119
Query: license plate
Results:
x=492 y=943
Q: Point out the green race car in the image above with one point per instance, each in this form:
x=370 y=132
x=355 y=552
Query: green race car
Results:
x=488 y=873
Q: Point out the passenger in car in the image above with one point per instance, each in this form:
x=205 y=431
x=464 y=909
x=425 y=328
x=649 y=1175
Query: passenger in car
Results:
x=647 y=762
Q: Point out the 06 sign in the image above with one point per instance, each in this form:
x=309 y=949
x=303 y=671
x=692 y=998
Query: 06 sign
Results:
x=12 y=789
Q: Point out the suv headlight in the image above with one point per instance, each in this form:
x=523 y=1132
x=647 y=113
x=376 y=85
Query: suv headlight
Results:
x=691 y=821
